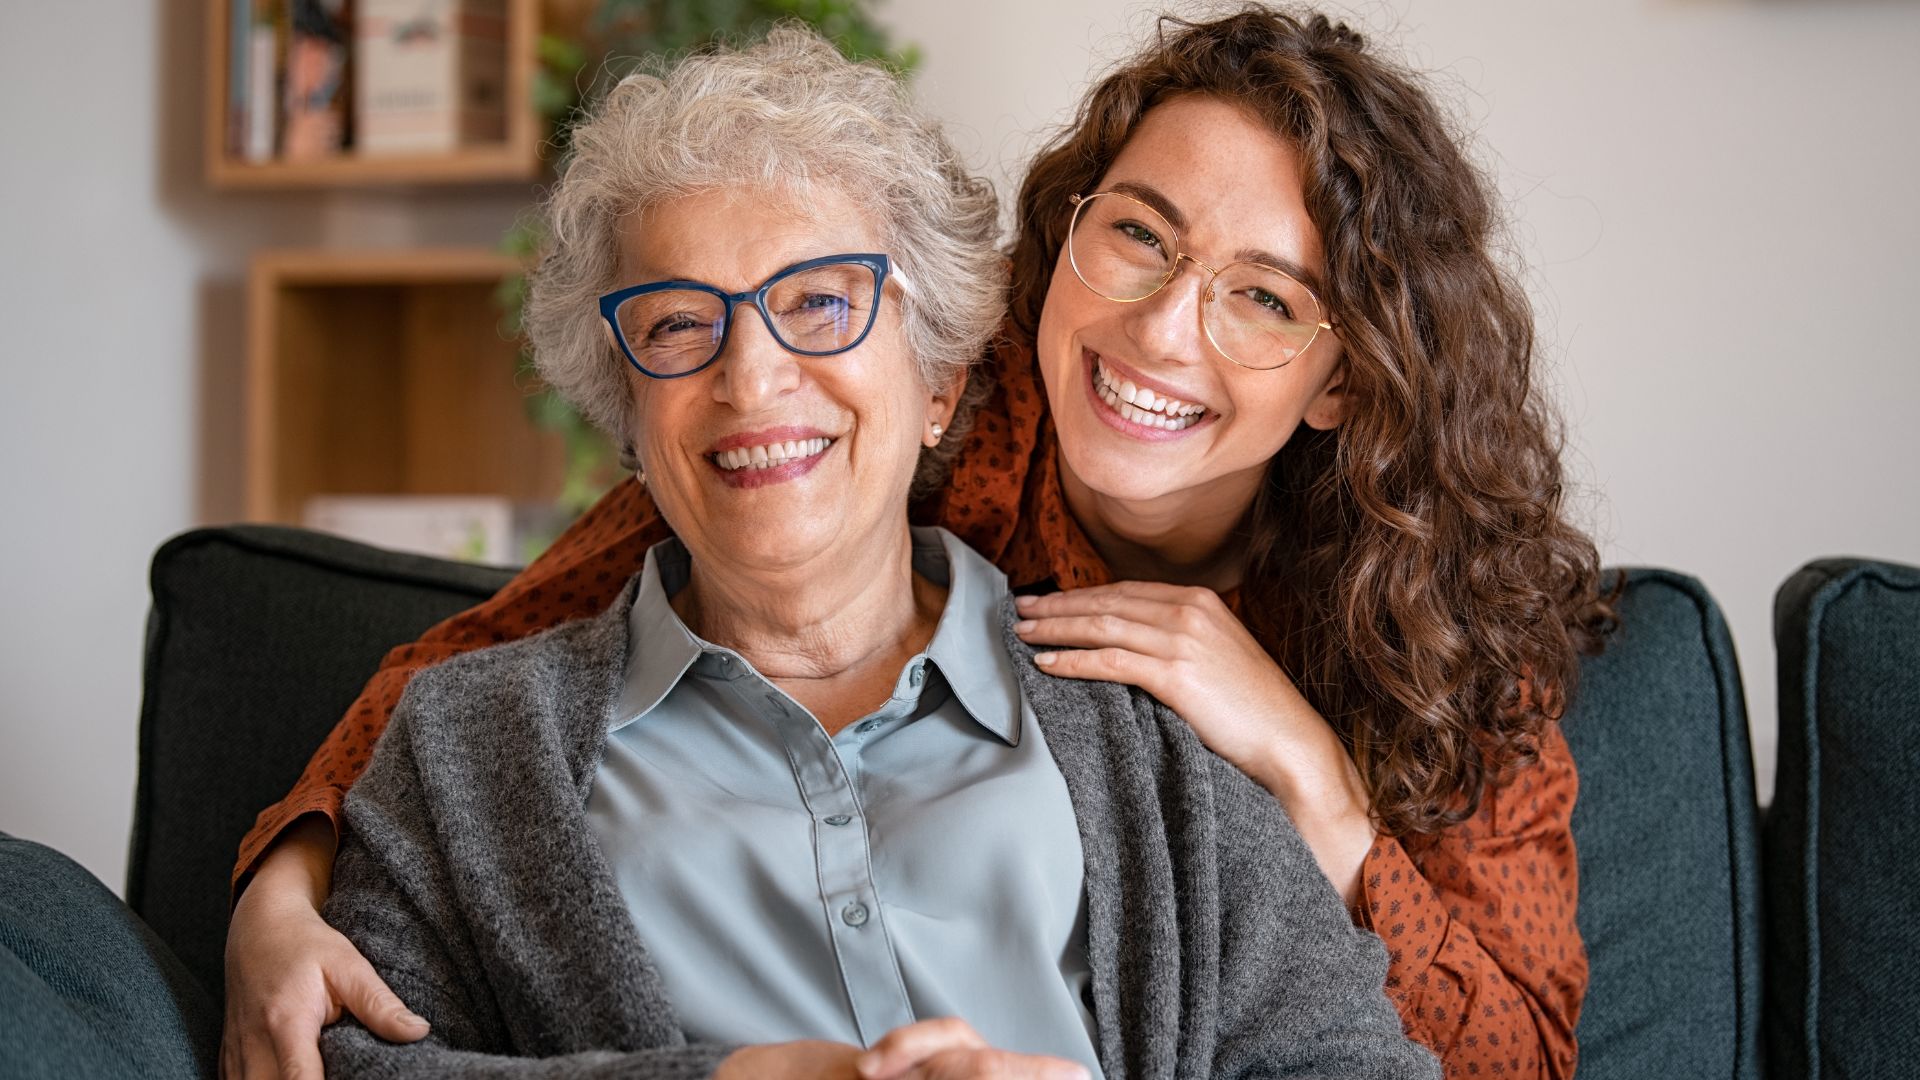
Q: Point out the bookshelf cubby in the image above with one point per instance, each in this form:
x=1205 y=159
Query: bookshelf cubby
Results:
x=515 y=159
x=386 y=373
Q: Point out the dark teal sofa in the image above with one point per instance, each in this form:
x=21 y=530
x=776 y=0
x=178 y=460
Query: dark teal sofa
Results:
x=260 y=637
x=1843 y=833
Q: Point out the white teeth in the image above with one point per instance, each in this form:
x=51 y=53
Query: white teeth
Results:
x=1142 y=406
x=770 y=454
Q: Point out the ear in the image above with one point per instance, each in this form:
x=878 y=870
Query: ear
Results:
x=1330 y=406
x=942 y=403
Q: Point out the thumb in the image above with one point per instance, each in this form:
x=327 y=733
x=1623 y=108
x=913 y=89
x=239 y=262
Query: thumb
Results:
x=362 y=992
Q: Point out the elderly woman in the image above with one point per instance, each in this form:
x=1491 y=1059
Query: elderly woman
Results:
x=800 y=791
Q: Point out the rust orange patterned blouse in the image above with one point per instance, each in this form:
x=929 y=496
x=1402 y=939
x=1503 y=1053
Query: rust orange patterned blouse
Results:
x=1487 y=966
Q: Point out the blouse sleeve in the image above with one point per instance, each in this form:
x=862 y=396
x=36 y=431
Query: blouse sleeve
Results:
x=1485 y=961
x=578 y=576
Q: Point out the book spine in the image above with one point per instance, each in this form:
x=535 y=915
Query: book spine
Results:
x=317 y=80
x=239 y=32
x=263 y=81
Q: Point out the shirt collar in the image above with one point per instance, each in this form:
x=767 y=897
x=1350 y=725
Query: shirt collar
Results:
x=655 y=633
x=966 y=646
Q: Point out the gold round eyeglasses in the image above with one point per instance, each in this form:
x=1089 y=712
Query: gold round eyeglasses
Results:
x=1257 y=316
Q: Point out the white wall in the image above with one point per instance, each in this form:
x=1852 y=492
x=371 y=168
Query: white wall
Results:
x=121 y=293
x=1717 y=202
x=1715 y=196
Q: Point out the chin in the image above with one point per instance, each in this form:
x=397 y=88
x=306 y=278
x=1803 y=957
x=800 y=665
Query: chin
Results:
x=1106 y=466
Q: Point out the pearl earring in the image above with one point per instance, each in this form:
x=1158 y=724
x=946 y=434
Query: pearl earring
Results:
x=937 y=430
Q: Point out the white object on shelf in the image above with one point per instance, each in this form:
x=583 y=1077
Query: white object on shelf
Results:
x=429 y=75
x=472 y=528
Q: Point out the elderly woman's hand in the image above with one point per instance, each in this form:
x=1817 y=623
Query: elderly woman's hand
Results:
x=289 y=974
x=946 y=1049
x=1184 y=647
x=949 y=1049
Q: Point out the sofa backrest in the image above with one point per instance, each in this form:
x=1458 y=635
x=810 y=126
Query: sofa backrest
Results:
x=258 y=639
x=1665 y=827
x=1843 y=888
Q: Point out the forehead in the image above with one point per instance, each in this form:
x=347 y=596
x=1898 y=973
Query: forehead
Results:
x=1237 y=183
x=736 y=238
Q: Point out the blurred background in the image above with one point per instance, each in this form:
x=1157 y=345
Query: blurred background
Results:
x=258 y=258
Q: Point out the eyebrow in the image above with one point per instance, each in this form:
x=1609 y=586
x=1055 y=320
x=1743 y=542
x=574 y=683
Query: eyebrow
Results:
x=1158 y=200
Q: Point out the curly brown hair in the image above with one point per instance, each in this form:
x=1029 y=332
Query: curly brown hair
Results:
x=1412 y=568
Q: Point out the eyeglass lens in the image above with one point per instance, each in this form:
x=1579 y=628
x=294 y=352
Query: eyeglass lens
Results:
x=1124 y=250
x=820 y=310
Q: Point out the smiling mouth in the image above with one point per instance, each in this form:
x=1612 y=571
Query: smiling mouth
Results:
x=769 y=455
x=1141 y=406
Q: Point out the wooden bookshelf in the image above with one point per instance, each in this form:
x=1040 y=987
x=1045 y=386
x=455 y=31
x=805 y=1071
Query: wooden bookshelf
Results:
x=516 y=159
x=386 y=373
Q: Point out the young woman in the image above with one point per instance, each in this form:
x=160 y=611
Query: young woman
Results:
x=1265 y=410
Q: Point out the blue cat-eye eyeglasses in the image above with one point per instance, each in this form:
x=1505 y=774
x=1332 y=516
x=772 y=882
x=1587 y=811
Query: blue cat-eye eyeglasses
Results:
x=820 y=307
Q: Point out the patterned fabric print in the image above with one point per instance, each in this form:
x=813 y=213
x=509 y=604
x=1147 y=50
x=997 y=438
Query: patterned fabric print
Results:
x=1487 y=966
x=1485 y=960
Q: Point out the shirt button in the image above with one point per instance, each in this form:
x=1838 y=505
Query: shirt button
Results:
x=913 y=677
x=854 y=914
x=868 y=727
x=839 y=819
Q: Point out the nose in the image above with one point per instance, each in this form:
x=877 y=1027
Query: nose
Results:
x=754 y=369
x=1166 y=325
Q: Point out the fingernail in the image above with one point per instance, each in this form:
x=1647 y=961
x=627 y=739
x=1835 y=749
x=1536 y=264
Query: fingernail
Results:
x=1024 y=626
x=1044 y=659
x=867 y=1064
x=414 y=1019
x=1024 y=601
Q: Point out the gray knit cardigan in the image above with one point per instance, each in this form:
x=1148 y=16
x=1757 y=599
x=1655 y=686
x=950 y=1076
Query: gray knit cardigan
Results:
x=470 y=878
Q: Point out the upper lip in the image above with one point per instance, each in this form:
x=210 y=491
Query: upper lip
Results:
x=1133 y=376
x=766 y=437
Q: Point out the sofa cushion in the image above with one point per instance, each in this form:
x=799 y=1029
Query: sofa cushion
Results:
x=85 y=988
x=1845 y=823
x=1665 y=826
x=258 y=640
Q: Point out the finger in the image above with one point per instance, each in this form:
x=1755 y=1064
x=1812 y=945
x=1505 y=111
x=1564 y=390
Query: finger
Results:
x=902 y=1048
x=1101 y=665
x=1100 y=632
x=1103 y=597
x=362 y=992
x=296 y=1049
x=1180 y=618
x=997 y=1064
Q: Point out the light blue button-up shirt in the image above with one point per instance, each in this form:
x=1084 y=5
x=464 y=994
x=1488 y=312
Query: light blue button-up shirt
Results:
x=924 y=862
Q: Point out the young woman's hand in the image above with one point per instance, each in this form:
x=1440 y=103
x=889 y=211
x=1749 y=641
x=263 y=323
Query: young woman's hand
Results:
x=1183 y=646
x=289 y=974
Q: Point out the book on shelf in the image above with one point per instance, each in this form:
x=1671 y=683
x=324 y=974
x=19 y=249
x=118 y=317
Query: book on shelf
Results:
x=262 y=77
x=315 y=79
x=317 y=115
x=430 y=75
x=239 y=44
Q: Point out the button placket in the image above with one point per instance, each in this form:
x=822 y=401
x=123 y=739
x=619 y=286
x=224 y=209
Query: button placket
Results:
x=869 y=969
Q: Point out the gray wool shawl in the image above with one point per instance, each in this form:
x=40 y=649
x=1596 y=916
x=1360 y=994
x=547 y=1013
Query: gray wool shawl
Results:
x=471 y=879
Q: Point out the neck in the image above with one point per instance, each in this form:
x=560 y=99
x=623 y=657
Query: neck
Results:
x=822 y=620
x=1182 y=538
